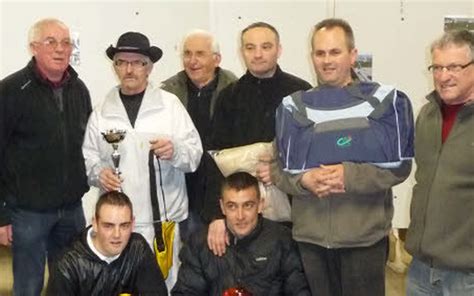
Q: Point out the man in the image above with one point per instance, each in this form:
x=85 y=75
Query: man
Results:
x=341 y=213
x=441 y=232
x=245 y=110
x=153 y=120
x=43 y=114
x=108 y=258
x=198 y=86
x=262 y=258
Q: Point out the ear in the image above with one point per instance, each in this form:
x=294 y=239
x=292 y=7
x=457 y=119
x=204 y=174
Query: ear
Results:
x=217 y=59
x=32 y=47
x=222 y=205
x=280 y=50
x=261 y=205
x=133 y=223
x=353 y=54
x=94 y=224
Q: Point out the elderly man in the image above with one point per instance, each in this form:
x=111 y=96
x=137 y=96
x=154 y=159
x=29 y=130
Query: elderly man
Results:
x=153 y=119
x=262 y=258
x=342 y=212
x=198 y=86
x=441 y=232
x=245 y=110
x=43 y=113
x=108 y=259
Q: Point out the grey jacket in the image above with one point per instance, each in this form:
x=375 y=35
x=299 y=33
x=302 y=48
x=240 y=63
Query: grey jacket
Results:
x=177 y=85
x=357 y=218
x=441 y=231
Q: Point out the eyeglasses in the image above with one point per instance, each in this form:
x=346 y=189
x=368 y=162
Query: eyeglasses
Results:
x=453 y=68
x=52 y=43
x=136 y=64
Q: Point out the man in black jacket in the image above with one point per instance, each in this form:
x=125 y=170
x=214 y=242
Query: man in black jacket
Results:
x=245 y=111
x=44 y=109
x=262 y=258
x=108 y=258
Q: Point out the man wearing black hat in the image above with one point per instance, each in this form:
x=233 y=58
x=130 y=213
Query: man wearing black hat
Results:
x=153 y=119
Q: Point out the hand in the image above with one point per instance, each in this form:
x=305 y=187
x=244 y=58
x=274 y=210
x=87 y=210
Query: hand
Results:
x=335 y=178
x=264 y=169
x=163 y=148
x=314 y=180
x=6 y=237
x=109 y=180
x=217 y=237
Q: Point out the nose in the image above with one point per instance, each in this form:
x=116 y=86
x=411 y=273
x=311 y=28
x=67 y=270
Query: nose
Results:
x=240 y=214
x=116 y=232
x=258 y=52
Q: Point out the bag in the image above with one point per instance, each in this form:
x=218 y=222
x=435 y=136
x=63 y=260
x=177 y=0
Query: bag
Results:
x=164 y=248
x=363 y=123
x=245 y=159
x=164 y=230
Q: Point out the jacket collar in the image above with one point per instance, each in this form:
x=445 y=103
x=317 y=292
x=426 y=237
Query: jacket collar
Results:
x=250 y=237
x=276 y=75
x=113 y=106
x=69 y=74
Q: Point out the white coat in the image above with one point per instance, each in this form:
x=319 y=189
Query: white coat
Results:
x=161 y=114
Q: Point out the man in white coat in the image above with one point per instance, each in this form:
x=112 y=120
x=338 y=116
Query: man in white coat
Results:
x=153 y=119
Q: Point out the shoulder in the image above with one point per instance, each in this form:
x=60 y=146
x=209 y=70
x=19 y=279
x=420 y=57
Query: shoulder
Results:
x=227 y=75
x=174 y=81
x=276 y=231
x=20 y=79
x=290 y=78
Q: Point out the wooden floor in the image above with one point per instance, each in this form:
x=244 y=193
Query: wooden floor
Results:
x=395 y=282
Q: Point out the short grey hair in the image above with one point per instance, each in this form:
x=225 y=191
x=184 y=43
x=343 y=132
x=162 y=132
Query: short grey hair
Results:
x=35 y=31
x=202 y=33
x=456 y=37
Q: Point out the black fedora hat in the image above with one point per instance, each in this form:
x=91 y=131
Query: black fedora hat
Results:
x=135 y=42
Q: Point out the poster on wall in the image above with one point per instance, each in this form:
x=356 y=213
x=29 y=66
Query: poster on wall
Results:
x=363 y=67
x=75 y=59
x=458 y=23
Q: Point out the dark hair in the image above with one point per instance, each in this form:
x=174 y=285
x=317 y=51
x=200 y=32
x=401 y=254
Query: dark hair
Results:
x=260 y=25
x=331 y=23
x=114 y=198
x=240 y=181
x=456 y=37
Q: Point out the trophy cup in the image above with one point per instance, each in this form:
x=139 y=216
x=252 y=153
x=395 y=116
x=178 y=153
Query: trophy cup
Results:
x=114 y=137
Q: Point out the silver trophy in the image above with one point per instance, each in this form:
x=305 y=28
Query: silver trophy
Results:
x=114 y=137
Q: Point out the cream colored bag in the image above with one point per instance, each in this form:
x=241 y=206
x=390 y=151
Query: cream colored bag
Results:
x=245 y=159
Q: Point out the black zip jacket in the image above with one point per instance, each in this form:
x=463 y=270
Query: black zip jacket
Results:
x=266 y=263
x=41 y=134
x=79 y=272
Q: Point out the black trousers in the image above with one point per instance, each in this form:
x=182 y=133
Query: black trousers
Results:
x=345 y=271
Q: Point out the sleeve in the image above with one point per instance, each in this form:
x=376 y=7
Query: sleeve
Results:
x=9 y=115
x=191 y=280
x=294 y=279
x=222 y=119
x=186 y=141
x=364 y=178
x=91 y=150
x=212 y=209
x=221 y=129
x=62 y=282
x=289 y=183
x=149 y=279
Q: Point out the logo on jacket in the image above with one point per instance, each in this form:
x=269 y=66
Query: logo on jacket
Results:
x=258 y=259
x=344 y=142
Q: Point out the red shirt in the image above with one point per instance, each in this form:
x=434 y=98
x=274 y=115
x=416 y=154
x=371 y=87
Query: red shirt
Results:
x=449 y=116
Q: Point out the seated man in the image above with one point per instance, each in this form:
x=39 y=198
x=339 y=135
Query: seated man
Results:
x=108 y=259
x=262 y=257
